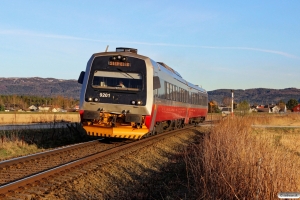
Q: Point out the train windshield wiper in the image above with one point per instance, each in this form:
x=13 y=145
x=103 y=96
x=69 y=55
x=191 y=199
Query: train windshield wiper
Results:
x=125 y=73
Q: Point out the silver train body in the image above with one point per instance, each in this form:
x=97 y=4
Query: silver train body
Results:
x=128 y=95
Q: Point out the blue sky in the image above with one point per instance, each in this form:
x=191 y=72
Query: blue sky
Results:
x=216 y=44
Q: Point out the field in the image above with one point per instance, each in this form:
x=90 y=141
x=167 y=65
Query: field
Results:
x=25 y=118
x=229 y=160
x=233 y=160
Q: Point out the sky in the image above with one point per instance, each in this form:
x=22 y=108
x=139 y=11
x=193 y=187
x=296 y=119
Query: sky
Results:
x=219 y=44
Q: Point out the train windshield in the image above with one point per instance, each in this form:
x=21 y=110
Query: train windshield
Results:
x=117 y=80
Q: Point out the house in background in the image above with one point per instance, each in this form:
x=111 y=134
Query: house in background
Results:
x=253 y=109
x=44 y=108
x=275 y=109
x=263 y=108
x=56 y=109
x=32 y=108
x=296 y=108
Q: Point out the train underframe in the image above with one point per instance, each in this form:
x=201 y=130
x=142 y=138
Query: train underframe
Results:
x=114 y=125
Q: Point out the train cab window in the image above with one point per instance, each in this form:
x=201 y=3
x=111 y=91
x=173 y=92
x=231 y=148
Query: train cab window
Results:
x=117 y=80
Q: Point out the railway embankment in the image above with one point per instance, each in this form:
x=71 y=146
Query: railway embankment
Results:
x=148 y=169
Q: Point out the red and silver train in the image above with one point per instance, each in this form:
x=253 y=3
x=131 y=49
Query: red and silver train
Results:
x=127 y=95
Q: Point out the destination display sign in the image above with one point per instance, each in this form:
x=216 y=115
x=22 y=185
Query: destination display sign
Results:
x=119 y=64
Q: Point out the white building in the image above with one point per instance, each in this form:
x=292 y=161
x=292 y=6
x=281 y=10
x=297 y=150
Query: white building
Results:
x=32 y=108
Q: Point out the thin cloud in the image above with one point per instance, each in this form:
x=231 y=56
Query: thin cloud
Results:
x=255 y=49
x=28 y=33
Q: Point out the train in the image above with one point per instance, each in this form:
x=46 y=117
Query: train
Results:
x=128 y=95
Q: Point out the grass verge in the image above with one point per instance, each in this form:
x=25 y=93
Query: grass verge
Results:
x=234 y=162
x=15 y=143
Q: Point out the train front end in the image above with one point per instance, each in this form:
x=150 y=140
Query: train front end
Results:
x=113 y=100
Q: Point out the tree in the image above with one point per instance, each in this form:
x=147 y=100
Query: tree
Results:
x=244 y=107
x=213 y=107
x=291 y=104
x=281 y=105
x=2 y=107
x=227 y=101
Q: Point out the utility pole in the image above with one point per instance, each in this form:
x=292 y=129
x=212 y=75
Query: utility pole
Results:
x=211 y=105
x=231 y=102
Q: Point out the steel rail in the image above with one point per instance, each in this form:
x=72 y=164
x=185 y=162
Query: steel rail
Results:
x=20 y=160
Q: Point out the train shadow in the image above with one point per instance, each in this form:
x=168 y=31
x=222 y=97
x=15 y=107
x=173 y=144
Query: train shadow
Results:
x=52 y=137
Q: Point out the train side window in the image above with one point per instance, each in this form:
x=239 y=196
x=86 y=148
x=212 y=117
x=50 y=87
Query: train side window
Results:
x=162 y=90
x=193 y=98
x=174 y=92
x=179 y=93
x=166 y=90
x=168 y=94
x=200 y=100
x=156 y=82
x=170 y=91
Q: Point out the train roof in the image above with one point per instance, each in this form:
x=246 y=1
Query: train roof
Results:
x=168 y=68
x=179 y=77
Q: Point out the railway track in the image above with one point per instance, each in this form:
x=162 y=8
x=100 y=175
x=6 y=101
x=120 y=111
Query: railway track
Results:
x=40 y=172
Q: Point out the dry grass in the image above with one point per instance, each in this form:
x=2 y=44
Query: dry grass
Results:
x=15 y=143
x=20 y=118
x=277 y=119
x=235 y=162
x=13 y=146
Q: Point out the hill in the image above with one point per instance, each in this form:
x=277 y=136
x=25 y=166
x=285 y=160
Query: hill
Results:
x=51 y=87
x=256 y=95
x=36 y=86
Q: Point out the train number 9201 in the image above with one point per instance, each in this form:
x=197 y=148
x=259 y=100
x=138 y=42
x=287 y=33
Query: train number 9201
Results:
x=106 y=95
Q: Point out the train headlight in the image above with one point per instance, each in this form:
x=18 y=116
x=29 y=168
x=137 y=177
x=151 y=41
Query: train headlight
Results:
x=119 y=57
x=133 y=102
x=96 y=99
x=90 y=99
x=139 y=102
x=114 y=58
x=124 y=59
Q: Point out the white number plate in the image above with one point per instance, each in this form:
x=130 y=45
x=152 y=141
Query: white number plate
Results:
x=107 y=95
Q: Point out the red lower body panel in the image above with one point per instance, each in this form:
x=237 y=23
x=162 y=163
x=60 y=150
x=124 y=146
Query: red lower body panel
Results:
x=166 y=112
